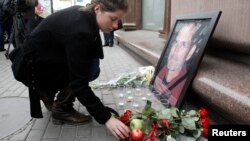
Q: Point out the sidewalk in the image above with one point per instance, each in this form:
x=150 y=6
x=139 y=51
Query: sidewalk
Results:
x=117 y=60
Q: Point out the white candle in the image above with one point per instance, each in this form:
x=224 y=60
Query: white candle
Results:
x=135 y=105
x=130 y=98
x=121 y=104
x=129 y=92
x=121 y=95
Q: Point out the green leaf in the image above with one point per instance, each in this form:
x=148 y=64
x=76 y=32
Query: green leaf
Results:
x=197 y=133
x=148 y=123
x=170 y=138
x=162 y=137
x=181 y=129
x=191 y=139
x=195 y=118
x=138 y=116
x=148 y=110
x=174 y=111
x=166 y=113
x=192 y=112
x=188 y=123
x=175 y=133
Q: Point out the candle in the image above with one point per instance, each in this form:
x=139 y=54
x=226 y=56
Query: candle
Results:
x=129 y=92
x=130 y=98
x=121 y=95
x=135 y=105
x=121 y=104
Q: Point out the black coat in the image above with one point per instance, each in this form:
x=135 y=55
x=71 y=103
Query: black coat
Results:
x=61 y=47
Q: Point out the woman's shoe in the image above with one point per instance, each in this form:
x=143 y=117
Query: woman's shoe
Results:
x=65 y=113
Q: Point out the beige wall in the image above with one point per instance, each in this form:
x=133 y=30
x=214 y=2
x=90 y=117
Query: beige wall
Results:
x=233 y=29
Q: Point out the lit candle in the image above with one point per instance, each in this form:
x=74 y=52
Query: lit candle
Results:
x=135 y=105
x=121 y=104
x=130 y=98
x=121 y=95
x=129 y=92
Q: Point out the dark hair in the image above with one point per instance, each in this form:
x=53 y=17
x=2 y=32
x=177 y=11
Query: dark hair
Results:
x=107 y=5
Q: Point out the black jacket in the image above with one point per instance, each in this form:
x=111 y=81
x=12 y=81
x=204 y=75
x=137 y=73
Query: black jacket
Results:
x=61 y=47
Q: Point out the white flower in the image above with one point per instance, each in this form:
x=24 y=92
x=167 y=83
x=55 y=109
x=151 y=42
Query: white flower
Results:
x=134 y=79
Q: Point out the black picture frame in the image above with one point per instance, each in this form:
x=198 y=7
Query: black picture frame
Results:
x=200 y=26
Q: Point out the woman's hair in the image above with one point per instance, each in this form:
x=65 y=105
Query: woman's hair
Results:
x=107 y=5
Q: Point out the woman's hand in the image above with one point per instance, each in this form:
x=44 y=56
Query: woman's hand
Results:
x=117 y=128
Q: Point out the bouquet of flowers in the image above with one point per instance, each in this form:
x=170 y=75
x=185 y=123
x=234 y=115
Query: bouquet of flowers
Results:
x=138 y=78
x=166 y=125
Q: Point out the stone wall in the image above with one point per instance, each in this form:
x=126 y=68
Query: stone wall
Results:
x=233 y=29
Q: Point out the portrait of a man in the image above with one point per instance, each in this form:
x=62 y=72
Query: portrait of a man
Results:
x=175 y=66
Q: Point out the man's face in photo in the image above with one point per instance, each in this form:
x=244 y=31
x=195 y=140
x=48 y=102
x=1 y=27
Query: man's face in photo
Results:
x=181 y=47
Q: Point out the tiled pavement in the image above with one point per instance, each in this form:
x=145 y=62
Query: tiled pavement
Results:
x=117 y=60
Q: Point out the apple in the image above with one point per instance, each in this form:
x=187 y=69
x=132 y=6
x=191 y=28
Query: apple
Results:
x=136 y=124
x=136 y=135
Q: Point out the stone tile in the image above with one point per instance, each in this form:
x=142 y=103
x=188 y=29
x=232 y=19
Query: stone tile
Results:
x=83 y=139
x=111 y=138
x=108 y=99
x=20 y=90
x=106 y=91
x=68 y=134
x=9 y=93
x=98 y=93
x=2 y=90
x=41 y=123
x=50 y=140
x=95 y=123
x=84 y=131
x=35 y=135
x=14 y=87
x=25 y=93
x=52 y=131
x=69 y=126
x=99 y=134
x=22 y=134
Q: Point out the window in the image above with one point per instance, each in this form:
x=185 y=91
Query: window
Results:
x=153 y=14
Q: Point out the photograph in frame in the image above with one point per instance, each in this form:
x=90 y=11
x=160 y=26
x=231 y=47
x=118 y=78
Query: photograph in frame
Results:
x=182 y=55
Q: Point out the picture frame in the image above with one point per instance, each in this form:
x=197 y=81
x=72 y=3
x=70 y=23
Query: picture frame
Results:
x=181 y=56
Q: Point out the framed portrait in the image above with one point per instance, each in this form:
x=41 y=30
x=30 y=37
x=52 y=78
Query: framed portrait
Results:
x=182 y=55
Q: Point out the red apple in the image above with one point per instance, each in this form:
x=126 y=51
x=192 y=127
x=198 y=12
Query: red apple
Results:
x=136 y=135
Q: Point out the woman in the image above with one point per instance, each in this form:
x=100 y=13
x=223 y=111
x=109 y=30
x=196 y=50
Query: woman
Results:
x=62 y=54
